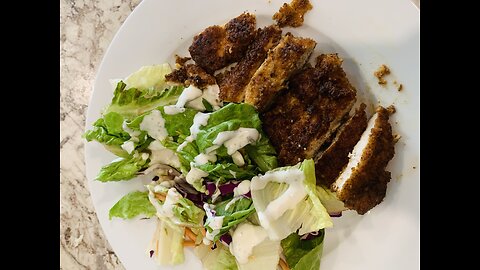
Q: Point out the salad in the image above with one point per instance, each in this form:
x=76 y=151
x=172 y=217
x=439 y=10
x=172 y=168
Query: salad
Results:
x=216 y=186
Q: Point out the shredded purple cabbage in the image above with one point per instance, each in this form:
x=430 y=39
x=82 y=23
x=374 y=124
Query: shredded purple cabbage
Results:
x=310 y=236
x=339 y=214
x=226 y=238
x=151 y=253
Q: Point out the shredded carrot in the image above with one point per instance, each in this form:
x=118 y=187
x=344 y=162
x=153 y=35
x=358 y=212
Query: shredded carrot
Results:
x=190 y=234
x=160 y=196
x=283 y=264
x=188 y=243
x=204 y=233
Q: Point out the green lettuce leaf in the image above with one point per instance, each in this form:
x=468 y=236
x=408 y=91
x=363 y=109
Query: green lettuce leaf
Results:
x=329 y=200
x=108 y=131
x=231 y=117
x=149 y=77
x=188 y=213
x=221 y=172
x=235 y=214
x=217 y=259
x=167 y=243
x=131 y=205
x=265 y=253
x=263 y=154
x=132 y=102
x=303 y=254
x=308 y=215
x=123 y=168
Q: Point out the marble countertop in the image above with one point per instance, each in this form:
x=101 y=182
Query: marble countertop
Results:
x=86 y=29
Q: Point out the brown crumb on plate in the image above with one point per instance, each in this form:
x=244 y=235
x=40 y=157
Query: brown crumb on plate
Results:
x=380 y=73
x=292 y=14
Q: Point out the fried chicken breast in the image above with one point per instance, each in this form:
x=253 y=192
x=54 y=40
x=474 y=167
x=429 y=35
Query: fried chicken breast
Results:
x=303 y=117
x=329 y=163
x=363 y=182
x=287 y=58
x=218 y=46
x=232 y=82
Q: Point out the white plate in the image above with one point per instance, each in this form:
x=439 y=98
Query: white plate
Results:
x=366 y=34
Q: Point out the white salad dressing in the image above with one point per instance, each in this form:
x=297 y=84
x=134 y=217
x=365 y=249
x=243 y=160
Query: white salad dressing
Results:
x=200 y=119
x=133 y=133
x=294 y=194
x=210 y=94
x=236 y=139
x=171 y=199
x=154 y=125
x=194 y=175
x=245 y=237
x=205 y=158
x=188 y=94
x=214 y=222
x=238 y=159
x=242 y=188
x=128 y=146
x=161 y=154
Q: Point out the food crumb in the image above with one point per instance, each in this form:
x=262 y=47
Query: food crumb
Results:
x=414 y=167
x=391 y=109
x=380 y=73
x=292 y=14
x=400 y=87
x=396 y=138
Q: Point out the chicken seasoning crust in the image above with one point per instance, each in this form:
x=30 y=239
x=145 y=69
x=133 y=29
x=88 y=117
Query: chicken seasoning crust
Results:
x=292 y=14
x=305 y=116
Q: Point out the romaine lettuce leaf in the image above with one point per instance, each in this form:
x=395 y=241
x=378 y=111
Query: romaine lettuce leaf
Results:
x=131 y=102
x=277 y=213
x=236 y=213
x=303 y=254
x=108 y=131
x=263 y=154
x=188 y=213
x=149 y=77
x=131 y=205
x=252 y=248
x=217 y=259
x=167 y=243
x=123 y=168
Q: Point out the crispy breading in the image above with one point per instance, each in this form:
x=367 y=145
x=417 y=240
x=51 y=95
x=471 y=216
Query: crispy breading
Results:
x=302 y=118
x=232 y=82
x=292 y=14
x=287 y=58
x=218 y=46
x=329 y=163
x=191 y=74
x=363 y=182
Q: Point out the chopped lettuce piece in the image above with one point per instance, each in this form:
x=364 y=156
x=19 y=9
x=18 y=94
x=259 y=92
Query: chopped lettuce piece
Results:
x=217 y=259
x=167 y=243
x=286 y=201
x=263 y=154
x=330 y=201
x=252 y=248
x=233 y=213
x=131 y=205
x=131 y=102
x=303 y=254
x=149 y=77
x=123 y=168
x=108 y=131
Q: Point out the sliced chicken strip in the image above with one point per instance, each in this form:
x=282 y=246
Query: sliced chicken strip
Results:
x=363 y=183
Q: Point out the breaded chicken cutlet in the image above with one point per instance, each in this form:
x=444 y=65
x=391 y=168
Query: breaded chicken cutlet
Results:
x=329 y=163
x=190 y=74
x=304 y=117
x=363 y=182
x=286 y=59
x=232 y=82
x=218 y=46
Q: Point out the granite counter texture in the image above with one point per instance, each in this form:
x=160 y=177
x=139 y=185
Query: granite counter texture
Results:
x=86 y=29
